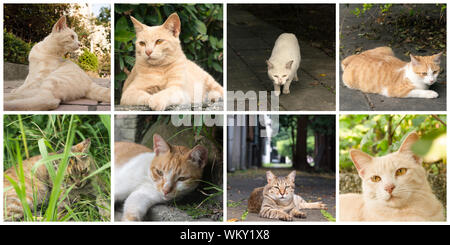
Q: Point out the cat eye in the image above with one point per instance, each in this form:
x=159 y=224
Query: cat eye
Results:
x=72 y=36
x=182 y=178
x=284 y=75
x=424 y=73
x=159 y=172
x=142 y=43
x=375 y=178
x=400 y=171
x=159 y=41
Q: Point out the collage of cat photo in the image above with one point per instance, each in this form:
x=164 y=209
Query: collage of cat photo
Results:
x=224 y=113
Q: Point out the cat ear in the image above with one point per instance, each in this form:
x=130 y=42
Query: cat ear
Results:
x=160 y=145
x=138 y=26
x=270 y=176
x=291 y=176
x=173 y=24
x=289 y=64
x=437 y=58
x=269 y=65
x=199 y=155
x=360 y=160
x=407 y=144
x=414 y=60
x=60 y=25
x=82 y=147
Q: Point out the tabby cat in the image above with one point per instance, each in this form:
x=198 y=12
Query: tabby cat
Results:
x=277 y=199
x=379 y=71
x=162 y=75
x=395 y=188
x=144 y=177
x=79 y=167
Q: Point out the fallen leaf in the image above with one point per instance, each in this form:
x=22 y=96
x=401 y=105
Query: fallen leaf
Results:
x=233 y=220
x=323 y=75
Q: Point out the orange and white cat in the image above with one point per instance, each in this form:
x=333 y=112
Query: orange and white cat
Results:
x=144 y=177
x=395 y=188
x=162 y=75
x=53 y=79
x=379 y=71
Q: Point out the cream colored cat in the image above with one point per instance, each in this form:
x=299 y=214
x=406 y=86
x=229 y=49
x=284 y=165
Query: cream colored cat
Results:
x=379 y=71
x=395 y=188
x=162 y=75
x=144 y=178
x=53 y=79
x=284 y=62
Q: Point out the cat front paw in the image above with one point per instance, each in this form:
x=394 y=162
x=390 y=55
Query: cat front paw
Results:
x=214 y=96
x=285 y=216
x=286 y=91
x=321 y=205
x=298 y=214
x=156 y=105
x=430 y=94
x=277 y=93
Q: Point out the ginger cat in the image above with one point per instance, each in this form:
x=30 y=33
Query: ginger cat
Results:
x=80 y=166
x=53 y=79
x=162 y=75
x=284 y=62
x=277 y=199
x=144 y=178
x=395 y=188
x=379 y=71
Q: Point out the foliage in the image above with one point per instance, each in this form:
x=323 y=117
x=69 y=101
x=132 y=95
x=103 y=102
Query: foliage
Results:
x=15 y=50
x=88 y=61
x=201 y=34
x=31 y=135
x=32 y=22
x=379 y=135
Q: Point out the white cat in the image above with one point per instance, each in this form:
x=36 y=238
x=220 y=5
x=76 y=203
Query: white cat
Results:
x=53 y=79
x=144 y=177
x=395 y=188
x=284 y=62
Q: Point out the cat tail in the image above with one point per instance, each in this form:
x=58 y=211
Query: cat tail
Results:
x=31 y=100
x=99 y=93
x=214 y=89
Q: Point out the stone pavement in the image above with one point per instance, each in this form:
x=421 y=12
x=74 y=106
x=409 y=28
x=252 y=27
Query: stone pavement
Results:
x=310 y=187
x=76 y=105
x=357 y=35
x=250 y=41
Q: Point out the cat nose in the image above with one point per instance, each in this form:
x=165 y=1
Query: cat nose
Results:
x=148 y=52
x=389 y=188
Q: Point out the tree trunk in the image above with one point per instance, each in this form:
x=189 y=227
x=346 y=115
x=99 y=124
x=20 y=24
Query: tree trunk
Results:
x=300 y=162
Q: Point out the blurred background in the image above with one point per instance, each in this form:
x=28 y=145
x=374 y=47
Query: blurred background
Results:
x=379 y=135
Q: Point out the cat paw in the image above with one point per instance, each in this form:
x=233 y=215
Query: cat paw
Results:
x=322 y=205
x=285 y=217
x=298 y=214
x=277 y=93
x=430 y=94
x=214 y=96
x=286 y=91
x=156 y=105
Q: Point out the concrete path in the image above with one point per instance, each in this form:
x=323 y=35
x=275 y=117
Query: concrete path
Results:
x=250 y=41
x=358 y=34
x=76 y=105
x=312 y=188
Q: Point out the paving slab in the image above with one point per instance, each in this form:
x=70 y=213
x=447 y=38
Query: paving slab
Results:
x=310 y=187
x=250 y=42
x=358 y=34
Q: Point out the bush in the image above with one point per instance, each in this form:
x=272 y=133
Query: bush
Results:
x=88 y=61
x=15 y=49
x=201 y=34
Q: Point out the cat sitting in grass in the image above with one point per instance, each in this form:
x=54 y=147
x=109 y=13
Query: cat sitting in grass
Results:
x=38 y=184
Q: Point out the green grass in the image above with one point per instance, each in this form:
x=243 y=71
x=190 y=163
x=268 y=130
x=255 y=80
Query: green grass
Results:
x=30 y=135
